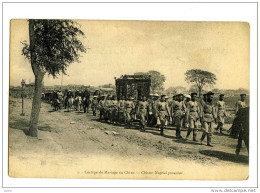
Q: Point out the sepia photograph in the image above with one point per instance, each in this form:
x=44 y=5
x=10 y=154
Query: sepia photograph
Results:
x=114 y=99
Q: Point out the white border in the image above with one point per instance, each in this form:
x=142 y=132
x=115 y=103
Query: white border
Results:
x=173 y=11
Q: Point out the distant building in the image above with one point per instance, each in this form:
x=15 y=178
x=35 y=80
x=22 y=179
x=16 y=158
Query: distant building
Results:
x=133 y=86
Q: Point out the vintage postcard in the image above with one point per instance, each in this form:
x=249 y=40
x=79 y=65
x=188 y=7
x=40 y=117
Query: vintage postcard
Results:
x=129 y=99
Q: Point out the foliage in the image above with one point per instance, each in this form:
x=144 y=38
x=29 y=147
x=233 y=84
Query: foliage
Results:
x=175 y=90
x=200 y=78
x=108 y=86
x=193 y=88
x=56 y=45
x=171 y=90
x=157 y=79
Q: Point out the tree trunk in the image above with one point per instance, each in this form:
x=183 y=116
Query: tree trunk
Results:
x=200 y=90
x=36 y=106
x=39 y=74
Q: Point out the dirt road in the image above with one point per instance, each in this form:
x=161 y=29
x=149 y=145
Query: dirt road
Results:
x=77 y=145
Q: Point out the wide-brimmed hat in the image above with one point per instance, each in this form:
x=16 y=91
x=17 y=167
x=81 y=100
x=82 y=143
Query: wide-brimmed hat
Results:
x=187 y=96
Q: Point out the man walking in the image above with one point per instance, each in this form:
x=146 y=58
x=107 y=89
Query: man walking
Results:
x=243 y=122
x=113 y=109
x=174 y=98
x=208 y=117
x=101 y=105
x=129 y=107
x=107 y=107
x=179 y=110
x=193 y=115
x=235 y=126
x=94 y=104
x=221 y=113
x=142 y=112
x=163 y=112
x=120 y=115
x=186 y=102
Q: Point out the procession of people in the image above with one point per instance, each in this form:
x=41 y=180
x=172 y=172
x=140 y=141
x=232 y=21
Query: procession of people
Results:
x=182 y=111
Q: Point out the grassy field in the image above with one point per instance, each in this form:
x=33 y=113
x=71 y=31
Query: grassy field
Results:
x=230 y=101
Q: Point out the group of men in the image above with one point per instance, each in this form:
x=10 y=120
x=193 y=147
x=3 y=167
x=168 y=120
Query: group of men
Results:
x=59 y=99
x=182 y=112
x=160 y=111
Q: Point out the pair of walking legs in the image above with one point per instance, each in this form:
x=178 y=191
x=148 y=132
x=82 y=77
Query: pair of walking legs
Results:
x=220 y=127
x=129 y=119
x=242 y=136
x=207 y=126
x=121 y=118
x=142 y=121
x=178 y=121
x=194 y=130
x=193 y=127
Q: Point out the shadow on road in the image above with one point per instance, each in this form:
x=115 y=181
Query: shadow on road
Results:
x=226 y=156
x=68 y=111
x=183 y=141
x=221 y=134
x=22 y=124
x=157 y=132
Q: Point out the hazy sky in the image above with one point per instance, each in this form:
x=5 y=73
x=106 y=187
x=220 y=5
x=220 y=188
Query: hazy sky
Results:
x=126 y=47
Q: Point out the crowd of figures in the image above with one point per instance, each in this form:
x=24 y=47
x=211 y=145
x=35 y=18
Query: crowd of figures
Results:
x=69 y=100
x=158 y=111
